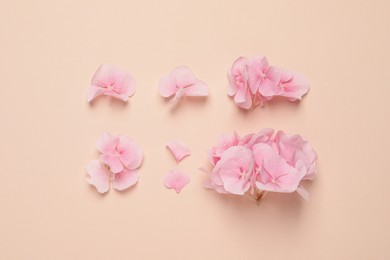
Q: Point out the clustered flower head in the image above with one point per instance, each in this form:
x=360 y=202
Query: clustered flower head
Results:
x=253 y=82
x=260 y=163
x=119 y=160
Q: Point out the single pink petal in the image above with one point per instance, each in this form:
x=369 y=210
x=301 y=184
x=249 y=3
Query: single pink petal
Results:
x=232 y=87
x=238 y=76
x=261 y=151
x=112 y=161
x=293 y=85
x=184 y=76
x=94 y=92
x=198 y=89
x=243 y=98
x=130 y=153
x=125 y=179
x=176 y=179
x=257 y=69
x=167 y=86
x=113 y=81
x=269 y=86
x=179 y=150
x=98 y=176
x=107 y=143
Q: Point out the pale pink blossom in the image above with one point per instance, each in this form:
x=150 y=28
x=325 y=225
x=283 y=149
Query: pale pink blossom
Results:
x=292 y=85
x=119 y=152
x=182 y=82
x=176 y=179
x=118 y=163
x=262 y=77
x=111 y=80
x=178 y=149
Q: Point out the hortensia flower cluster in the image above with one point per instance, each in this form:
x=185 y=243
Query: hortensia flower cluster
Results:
x=259 y=163
x=253 y=82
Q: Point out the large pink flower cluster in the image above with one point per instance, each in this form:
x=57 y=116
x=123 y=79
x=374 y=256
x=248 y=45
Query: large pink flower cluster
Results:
x=252 y=82
x=260 y=163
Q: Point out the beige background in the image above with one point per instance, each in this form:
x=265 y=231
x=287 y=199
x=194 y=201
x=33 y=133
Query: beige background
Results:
x=49 y=51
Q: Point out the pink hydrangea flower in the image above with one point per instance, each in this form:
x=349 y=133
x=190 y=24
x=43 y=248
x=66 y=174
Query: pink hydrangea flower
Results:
x=263 y=78
x=260 y=163
x=176 y=179
x=232 y=173
x=111 y=80
x=119 y=152
x=292 y=85
x=253 y=82
x=182 y=82
x=118 y=163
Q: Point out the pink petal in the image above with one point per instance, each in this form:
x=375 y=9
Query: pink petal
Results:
x=167 y=86
x=268 y=87
x=94 y=92
x=125 y=179
x=294 y=149
x=198 y=89
x=112 y=161
x=238 y=76
x=260 y=152
x=107 y=143
x=277 y=176
x=113 y=81
x=184 y=76
x=176 y=179
x=257 y=67
x=130 y=153
x=234 y=169
x=243 y=98
x=98 y=176
x=179 y=150
x=294 y=88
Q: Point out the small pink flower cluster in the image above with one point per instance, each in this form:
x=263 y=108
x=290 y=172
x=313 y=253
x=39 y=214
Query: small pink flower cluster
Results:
x=118 y=163
x=252 y=82
x=260 y=163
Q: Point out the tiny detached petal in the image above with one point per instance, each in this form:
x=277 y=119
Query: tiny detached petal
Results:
x=178 y=149
x=98 y=176
x=176 y=179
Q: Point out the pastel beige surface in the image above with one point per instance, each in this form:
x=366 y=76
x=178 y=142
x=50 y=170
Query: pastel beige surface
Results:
x=49 y=51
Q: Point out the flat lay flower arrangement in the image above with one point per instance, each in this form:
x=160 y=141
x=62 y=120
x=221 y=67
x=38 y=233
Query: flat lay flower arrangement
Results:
x=252 y=165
